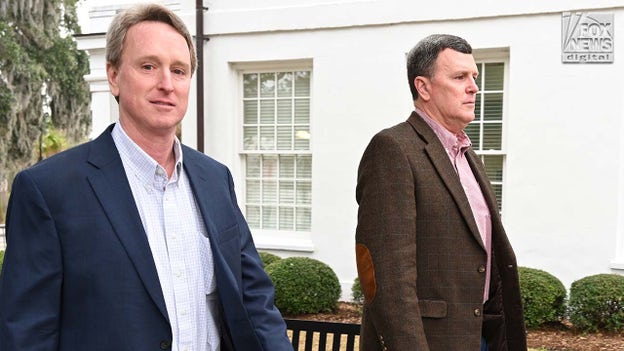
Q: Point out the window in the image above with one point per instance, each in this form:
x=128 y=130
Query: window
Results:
x=276 y=150
x=486 y=131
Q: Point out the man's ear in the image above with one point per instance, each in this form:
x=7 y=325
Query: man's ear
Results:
x=112 y=74
x=422 y=85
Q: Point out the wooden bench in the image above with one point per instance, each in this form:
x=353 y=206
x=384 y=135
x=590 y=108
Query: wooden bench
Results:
x=323 y=329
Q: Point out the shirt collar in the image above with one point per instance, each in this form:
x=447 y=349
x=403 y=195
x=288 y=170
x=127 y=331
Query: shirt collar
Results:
x=143 y=165
x=459 y=142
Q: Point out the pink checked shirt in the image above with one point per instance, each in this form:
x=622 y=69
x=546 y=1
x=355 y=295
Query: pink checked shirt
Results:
x=456 y=146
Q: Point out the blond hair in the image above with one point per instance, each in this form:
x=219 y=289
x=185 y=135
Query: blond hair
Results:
x=144 y=12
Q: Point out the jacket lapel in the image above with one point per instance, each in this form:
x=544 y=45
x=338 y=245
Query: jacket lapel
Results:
x=198 y=178
x=440 y=160
x=112 y=189
x=205 y=188
x=484 y=183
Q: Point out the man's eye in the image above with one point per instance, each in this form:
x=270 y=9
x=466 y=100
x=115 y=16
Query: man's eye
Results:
x=148 y=67
x=179 y=72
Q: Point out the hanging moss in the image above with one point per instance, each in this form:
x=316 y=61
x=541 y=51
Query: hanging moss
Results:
x=42 y=86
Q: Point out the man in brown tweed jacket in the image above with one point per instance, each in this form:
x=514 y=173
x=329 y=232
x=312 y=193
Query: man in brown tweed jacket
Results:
x=436 y=268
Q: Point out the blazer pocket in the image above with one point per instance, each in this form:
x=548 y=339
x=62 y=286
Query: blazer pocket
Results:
x=226 y=235
x=433 y=308
x=228 y=242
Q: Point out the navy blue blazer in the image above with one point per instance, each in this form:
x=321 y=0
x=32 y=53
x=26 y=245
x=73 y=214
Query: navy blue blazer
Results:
x=78 y=272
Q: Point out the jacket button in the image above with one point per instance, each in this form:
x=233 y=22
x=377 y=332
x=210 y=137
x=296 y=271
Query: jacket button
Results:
x=165 y=345
x=383 y=344
x=481 y=269
x=477 y=312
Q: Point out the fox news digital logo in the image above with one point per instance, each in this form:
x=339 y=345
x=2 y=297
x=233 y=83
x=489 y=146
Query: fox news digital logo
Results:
x=587 y=37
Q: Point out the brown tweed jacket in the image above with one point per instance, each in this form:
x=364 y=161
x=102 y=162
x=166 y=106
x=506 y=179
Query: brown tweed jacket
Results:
x=420 y=258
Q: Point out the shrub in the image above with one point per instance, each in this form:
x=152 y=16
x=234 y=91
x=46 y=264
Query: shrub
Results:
x=356 y=291
x=304 y=285
x=597 y=303
x=1 y=259
x=543 y=297
x=268 y=258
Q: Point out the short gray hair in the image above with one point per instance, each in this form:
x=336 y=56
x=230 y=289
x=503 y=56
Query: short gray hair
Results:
x=422 y=58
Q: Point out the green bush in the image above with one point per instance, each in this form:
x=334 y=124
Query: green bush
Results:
x=268 y=258
x=597 y=303
x=1 y=259
x=543 y=297
x=304 y=285
x=356 y=291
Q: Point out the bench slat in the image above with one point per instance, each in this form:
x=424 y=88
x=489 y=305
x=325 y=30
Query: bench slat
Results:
x=324 y=329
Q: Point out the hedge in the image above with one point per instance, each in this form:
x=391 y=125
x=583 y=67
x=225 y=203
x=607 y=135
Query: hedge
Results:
x=304 y=285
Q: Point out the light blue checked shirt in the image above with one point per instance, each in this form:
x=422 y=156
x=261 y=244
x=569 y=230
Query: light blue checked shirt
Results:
x=178 y=240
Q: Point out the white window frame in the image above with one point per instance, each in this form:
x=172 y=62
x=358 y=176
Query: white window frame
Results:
x=497 y=55
x=273 y=239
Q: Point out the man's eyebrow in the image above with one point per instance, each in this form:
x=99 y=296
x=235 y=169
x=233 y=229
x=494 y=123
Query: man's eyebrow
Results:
x=182 y=64
x=467 y=71
x=157 y=59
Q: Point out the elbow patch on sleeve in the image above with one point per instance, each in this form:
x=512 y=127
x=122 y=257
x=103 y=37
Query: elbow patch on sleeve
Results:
x=366 y=272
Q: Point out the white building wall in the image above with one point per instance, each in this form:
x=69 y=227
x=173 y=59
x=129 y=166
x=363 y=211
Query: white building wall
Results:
x=563 y=138
x=563 y=142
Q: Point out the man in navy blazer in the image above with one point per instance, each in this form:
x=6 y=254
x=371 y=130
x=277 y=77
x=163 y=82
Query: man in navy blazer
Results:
x=104 y=255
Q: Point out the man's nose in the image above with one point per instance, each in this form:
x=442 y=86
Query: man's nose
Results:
x=473 y=88
x=165 y=82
